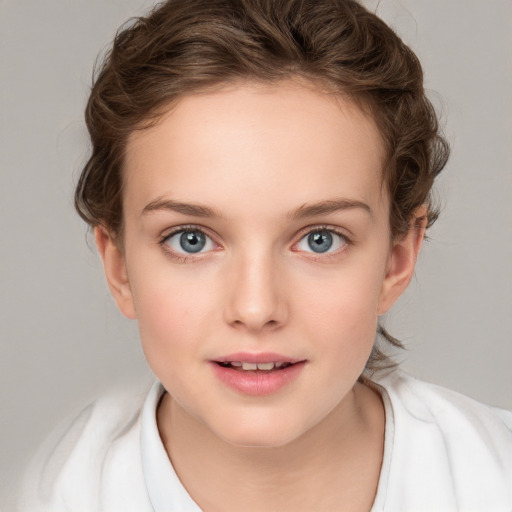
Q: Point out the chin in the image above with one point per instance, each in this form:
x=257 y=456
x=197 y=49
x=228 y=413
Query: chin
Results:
x=262 y=433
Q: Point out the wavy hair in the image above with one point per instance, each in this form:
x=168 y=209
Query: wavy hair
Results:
x=186 y=46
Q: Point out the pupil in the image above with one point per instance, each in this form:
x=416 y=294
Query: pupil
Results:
x=193 y=241
x=320 y=242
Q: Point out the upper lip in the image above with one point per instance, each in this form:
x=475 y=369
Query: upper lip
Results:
x=262 y=357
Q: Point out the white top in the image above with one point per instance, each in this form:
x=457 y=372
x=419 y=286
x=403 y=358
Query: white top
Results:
x=443 y=452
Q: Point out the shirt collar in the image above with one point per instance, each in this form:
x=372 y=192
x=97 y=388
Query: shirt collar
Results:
x=165 y=490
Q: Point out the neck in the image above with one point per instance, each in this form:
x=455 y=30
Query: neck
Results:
x=336 y=461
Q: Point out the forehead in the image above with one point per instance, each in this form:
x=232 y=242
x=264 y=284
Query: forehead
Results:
x=283 y=144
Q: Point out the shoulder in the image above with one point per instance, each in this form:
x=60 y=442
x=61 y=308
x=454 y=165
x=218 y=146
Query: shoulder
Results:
x=461 y=447
x=81 y=463
x=445 y=407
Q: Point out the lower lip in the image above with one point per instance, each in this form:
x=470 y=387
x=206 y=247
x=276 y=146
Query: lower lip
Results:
x=257 y=383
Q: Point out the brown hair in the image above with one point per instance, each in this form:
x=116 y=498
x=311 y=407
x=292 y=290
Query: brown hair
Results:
x=187 y=46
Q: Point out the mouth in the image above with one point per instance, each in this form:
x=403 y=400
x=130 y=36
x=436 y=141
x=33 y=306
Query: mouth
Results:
x=244 y=366
x=257 y=374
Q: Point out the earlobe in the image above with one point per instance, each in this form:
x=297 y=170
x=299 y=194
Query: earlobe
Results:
x=115 y=271
x=402 y=261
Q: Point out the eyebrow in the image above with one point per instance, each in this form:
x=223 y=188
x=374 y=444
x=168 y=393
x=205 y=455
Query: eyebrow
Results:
x=195 y=210
x=303 y=211
x=329 y=206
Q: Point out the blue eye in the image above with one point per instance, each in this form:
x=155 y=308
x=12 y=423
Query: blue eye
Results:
x=189 y=241
x=322 y=241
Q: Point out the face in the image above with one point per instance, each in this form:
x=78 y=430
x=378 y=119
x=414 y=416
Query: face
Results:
x=257 y=236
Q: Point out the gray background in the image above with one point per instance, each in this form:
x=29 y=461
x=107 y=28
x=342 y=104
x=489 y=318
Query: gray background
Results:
x=63 y=341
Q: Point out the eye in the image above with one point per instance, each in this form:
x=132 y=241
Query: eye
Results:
x=322 y=241
x=188 y=241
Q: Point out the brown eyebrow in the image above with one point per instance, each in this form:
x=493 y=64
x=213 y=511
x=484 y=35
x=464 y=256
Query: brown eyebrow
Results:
x=305 y=210
x=329 y=206
x=195 y=210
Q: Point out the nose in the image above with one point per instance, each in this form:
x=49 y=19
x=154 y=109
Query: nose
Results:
x=256 y=299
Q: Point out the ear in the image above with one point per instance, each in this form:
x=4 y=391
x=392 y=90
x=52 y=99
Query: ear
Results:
x=115 y=271
x=402 y=261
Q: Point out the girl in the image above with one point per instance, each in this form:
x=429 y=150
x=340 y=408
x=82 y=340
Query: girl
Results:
x=259 y=189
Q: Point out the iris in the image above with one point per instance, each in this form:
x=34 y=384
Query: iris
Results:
x=192 y=241
x=320 y=241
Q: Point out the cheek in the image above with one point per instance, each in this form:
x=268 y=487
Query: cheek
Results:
x=341 y=311
x=173 y=309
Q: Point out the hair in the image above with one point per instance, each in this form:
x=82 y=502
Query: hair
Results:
x=189 y=46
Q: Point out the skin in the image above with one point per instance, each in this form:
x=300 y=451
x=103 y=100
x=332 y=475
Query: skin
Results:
x=255 y=154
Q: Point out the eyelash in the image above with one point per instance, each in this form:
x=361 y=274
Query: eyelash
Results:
x=182 y=258
x=330 y=229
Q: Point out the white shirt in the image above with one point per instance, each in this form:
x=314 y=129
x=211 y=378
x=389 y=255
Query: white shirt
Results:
x=443 y=452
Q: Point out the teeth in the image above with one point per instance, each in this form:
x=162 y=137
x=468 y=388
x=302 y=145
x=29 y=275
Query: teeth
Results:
x=256 y=366
x=265 y=366
x=249 y=366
